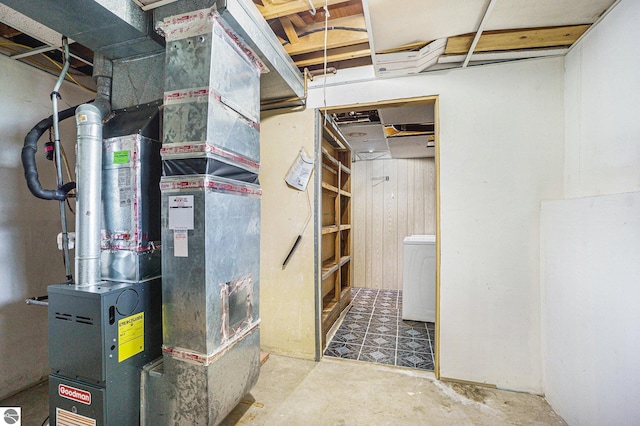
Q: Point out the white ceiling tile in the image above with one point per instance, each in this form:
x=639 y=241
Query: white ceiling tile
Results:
x=410 y=147
x=510 y=14
x=398 y=23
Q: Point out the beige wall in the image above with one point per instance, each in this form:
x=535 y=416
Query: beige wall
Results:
x=29 y=256
x=286 y=295
x=384 y=212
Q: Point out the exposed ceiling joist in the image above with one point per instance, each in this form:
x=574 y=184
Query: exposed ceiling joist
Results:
x=291 y=33
x=278 y=10
x=491 y=41
x=334 y=55
x=343 y=32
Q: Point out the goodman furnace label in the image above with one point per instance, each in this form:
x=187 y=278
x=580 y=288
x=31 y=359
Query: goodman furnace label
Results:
x=130 y=336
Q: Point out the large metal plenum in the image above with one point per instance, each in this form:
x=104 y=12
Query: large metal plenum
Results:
x=210 y=224
x=183 y=393
x=284 y=80
x=212 y=93
x=211 y=271
x=131 y=196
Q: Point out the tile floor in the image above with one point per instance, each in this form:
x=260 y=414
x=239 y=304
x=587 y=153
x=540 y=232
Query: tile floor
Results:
x=373 y=331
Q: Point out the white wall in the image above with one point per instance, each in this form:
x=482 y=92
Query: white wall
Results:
x=602 y=100
x=29 y=259
x=591 y=272
x=501 y=138
x=591 y=246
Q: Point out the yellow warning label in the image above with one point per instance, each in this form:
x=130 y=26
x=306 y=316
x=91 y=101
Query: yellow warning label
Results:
x=130 y=336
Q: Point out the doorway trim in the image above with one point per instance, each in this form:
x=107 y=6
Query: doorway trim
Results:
x=318 y=132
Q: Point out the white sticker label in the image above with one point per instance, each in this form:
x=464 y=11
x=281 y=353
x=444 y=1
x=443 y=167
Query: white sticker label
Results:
x=180 y=243
x=181 y=212
x=64 y=418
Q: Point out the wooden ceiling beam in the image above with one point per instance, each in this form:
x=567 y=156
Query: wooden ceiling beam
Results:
x=491 y=41
x=336 y=38
x=334 y=55
x=297 y=21
x=279 y=10
x=291 y=33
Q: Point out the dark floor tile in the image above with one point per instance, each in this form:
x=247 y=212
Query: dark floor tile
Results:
x=385 y=341
x=343 y=350
x=408 y=344
x=357 y=316
x=355 y=326
x=413 y=333
x=414 y=360
x=377 y=355
x=385 y=304
x=384 y=320
x=414 y=324
x=349 y=336
x=386 y=311
x=361 y=308
x=383 y=328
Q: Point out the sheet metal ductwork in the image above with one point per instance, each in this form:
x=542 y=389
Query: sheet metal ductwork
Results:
x=218 y=61
x=118 y=28
x=88 y=195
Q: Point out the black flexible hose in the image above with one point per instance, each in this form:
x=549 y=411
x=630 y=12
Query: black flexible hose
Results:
x=29 y=159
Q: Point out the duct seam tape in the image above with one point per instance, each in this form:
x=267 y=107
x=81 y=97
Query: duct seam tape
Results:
x=203 y=359
x=197 y=149
x=206 y=182
x=202 y=94
x=243 y=284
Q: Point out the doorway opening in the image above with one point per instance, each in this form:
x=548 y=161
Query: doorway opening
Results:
x=393 y=191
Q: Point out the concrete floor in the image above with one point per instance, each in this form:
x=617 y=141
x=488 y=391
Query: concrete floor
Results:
x=339 y=392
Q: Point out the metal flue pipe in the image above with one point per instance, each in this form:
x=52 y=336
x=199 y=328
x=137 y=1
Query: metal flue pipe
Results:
x=88 y=194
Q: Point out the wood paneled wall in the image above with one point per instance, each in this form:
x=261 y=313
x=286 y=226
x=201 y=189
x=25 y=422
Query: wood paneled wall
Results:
x=386 y=211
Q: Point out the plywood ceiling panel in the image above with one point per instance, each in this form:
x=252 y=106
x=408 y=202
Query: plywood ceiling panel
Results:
x=419 y=114
x=396 y=24
x=410 y=147
x=512 y=14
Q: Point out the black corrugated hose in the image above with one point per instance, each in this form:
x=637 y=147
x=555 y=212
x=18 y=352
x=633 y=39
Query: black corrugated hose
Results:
x=29 y=159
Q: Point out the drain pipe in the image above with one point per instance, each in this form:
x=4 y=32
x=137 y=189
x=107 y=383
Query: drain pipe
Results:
x=89 y=118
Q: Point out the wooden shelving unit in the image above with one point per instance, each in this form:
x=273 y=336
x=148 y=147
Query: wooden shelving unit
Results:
x=335 y=245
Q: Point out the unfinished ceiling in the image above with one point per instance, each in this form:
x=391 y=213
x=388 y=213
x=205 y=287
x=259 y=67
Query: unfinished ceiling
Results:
x=392 y=131
x=395 y=36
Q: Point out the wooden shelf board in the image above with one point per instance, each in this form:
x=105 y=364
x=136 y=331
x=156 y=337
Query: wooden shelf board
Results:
x=330 y=229
x=328 y=268
x=344 y=259
x=329 y=187
x=345 y=193
x=345 y=227
x=330 y=157
x=345 y=169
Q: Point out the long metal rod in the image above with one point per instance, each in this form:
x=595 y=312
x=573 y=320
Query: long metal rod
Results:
x=56 y=131
x=485 y=18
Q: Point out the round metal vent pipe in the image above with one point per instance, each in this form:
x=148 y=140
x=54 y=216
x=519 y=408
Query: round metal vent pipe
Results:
x=88 y=194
